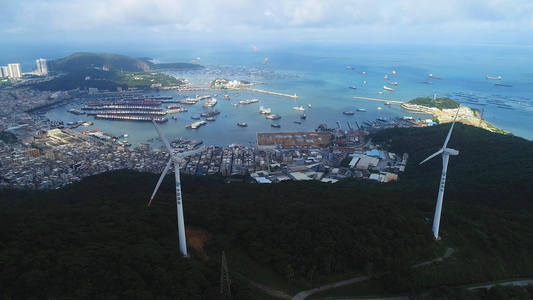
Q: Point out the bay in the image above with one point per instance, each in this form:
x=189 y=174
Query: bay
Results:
x=318 y=74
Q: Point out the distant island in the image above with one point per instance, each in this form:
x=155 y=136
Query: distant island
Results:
x=110 y=72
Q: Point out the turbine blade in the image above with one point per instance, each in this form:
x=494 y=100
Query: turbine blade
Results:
x=163 y=138
x=432 y=155
x=451 y=128
x=160 y=180
x=192 y=152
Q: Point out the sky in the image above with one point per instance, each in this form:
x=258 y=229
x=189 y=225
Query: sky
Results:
x=264 y=21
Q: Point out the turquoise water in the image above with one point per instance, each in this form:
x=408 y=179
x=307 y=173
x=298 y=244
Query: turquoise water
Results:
x=318 y=74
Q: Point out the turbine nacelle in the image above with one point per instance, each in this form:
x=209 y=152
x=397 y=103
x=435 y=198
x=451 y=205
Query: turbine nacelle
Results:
x=450 y=151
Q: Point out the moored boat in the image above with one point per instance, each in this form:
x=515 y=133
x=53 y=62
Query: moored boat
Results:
x=264 y=111
x=211 y=102
x=273 y=116
x=242 y=124
x=348 y=112
x=248 y=101
x=275 y=125
x=361 y=109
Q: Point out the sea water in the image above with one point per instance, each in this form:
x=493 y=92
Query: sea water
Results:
x=318 y=73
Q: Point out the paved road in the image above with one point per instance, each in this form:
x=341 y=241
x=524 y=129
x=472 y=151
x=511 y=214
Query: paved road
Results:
x=519 y=282
x=304 y=294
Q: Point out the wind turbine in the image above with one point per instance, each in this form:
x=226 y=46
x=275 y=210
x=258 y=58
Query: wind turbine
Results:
x=175 y=158
x=446 y=152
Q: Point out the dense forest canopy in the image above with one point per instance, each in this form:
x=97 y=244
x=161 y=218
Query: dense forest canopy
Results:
x=106 y=242
x=106 y=80
x=114 y=62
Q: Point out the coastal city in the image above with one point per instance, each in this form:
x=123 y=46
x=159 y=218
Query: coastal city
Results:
x=52 y=155
x=39 y=153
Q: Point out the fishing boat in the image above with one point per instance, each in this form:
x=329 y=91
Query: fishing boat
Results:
x=242 y=124
x=275 y=125
x=301 y=108
x=264 y=111
x=501 y=84
x=361 y=109
x=493 y=78
x=273 y=116
x=210 y=103
x=388 y=88
x=248 y=101
x=348 y=112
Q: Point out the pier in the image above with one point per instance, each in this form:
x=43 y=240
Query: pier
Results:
x=274 y=93
x=381 y=100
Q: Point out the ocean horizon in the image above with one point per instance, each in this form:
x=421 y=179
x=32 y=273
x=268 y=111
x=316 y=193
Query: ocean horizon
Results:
x=321 y=75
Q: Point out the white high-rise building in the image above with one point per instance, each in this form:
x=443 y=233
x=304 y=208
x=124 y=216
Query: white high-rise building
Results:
x=42 y=67
x=14 y=71
x=3 y=72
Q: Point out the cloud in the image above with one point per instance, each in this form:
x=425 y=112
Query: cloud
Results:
x=289 y=19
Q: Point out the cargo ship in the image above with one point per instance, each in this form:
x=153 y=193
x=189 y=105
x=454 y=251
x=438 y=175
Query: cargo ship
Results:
x=132 y=118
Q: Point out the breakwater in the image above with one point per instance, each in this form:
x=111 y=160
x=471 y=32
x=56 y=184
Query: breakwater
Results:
x=381 y=100
x=274 y=93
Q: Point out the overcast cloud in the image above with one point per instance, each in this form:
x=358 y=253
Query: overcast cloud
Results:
x=447 y=21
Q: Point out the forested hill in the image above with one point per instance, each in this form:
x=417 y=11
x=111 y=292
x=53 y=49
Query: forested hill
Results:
x=114 y=62
x=98 y=239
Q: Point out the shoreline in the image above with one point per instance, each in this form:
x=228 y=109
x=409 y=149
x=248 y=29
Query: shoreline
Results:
x=466 y=114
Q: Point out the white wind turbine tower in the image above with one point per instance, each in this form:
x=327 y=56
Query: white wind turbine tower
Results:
x=175 y=158
x=446 y=152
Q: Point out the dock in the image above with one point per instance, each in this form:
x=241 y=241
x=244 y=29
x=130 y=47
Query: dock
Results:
x=381 y=100
x=274 y=93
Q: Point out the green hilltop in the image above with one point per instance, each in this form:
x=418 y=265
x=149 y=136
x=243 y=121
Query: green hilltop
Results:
x=114 y=62
x=110 y=71
x=440 y=103
x=96 y=238
x=83 y=60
